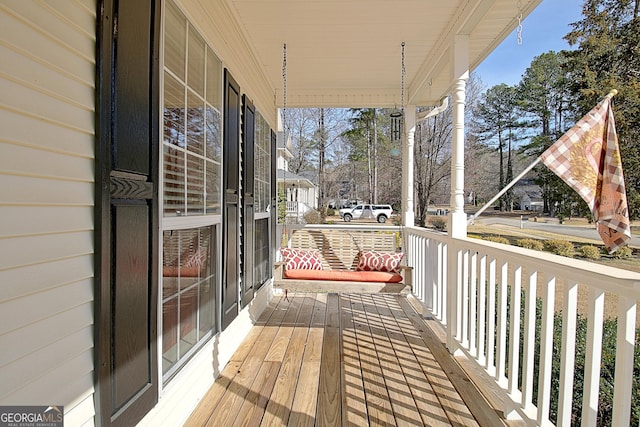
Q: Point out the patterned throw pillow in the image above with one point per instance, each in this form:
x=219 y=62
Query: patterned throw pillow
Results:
x=379 y=261
x=300 y=259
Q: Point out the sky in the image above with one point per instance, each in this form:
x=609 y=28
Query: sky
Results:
x=543 y=30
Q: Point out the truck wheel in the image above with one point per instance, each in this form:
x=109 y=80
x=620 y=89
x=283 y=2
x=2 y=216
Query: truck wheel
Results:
x=382 y=219
x=347 y=218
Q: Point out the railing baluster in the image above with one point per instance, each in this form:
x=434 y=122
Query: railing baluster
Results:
x=465 y=299
x=473 y=304
x=625 y=349
x=514 y=332
x=432 y=283
x=444 y=280
x=482 y=308
x=454 y=298
x=422 y=273
x=529 y=340
x=502 y=324
x=568 y=357
x=491 y=313
x=593 y=358
x=546 y=352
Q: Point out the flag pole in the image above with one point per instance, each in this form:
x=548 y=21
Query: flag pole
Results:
x=504 y=190
x=610 y=95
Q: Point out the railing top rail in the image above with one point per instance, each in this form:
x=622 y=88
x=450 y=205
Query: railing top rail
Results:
x=347 y=227
x=607 y=278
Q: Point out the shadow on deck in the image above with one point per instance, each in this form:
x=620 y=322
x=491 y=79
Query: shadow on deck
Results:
x=342 y=359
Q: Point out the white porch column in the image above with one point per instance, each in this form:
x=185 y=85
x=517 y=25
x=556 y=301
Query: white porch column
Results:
x=408 y=214
x=457 y=218
x=457 y=227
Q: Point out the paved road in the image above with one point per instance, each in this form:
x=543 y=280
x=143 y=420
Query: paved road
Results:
x=576 y=231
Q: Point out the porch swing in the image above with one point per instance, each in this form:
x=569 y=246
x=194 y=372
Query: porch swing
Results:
x=327 y=260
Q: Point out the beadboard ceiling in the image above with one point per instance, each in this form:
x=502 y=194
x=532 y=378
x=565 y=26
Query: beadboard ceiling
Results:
x=347 y=53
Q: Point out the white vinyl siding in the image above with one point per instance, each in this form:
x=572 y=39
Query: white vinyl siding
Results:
x=47 y=140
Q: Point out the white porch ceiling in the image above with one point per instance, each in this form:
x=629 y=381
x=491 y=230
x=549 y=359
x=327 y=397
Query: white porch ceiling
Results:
x=347 y=53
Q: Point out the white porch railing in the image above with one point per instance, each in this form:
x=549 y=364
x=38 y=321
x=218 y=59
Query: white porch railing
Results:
x=295 y=211
x=292 y=207
x=465 y=284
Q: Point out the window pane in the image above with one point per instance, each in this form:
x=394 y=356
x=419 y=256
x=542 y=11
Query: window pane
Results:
x=173 y=111
x=212 y=133
x=195 y=185
x=195 y=123
x=261 y=269
x=169 y=333
x=175 y=40
x=174 y=175
x=214 y=195
x=188 y=312
x=206 y=312
x=196 y=62
x=214 y=80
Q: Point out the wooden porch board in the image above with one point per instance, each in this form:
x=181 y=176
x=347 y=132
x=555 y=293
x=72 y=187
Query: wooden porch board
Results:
x=341 y=360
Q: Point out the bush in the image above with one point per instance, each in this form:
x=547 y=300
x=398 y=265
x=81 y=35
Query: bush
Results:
x=560 y=247
x=313 y=217
x=624 y=252
x=331 y=212
x=438 y=222
x=607 y=370
x=530 y=244
x=590 y=252
x=498 y=239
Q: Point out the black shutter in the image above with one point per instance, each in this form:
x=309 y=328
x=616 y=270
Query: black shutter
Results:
x=127 y=210
x=231 y=202
x=248 y=213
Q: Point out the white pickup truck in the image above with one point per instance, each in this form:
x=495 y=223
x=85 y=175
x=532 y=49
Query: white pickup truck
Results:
x=380 y=212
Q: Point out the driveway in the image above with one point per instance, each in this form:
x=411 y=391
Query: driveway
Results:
x=587 y=231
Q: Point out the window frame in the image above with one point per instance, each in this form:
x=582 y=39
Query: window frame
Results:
x=205 y=219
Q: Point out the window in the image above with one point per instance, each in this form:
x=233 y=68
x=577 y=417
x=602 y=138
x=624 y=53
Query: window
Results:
x=191 y=165
x=262 y=168
x=262 y=191
x=192 y=132
x=188 y=292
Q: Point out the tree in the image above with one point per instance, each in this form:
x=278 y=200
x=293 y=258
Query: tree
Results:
x=362 y=137
x=432 y=158
x=316 y=135
x=497 y=123
x=608 y=57
x=544 y=95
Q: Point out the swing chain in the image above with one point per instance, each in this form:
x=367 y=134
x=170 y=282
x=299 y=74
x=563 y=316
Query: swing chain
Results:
x=284 y=86
x=404 y=72
x=519 y=28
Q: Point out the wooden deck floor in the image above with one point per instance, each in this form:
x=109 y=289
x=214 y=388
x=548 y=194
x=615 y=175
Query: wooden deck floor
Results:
x=342 y=359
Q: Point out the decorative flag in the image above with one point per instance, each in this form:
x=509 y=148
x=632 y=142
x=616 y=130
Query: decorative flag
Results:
x=587 y=158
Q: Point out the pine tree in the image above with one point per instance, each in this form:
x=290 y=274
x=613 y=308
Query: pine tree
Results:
x=607 y=56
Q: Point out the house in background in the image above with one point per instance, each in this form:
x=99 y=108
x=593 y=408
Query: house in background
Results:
x=138 y=170
x=528 y=195
x=301 y=194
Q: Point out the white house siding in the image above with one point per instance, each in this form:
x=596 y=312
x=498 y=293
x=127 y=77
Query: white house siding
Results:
x=47 y=67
